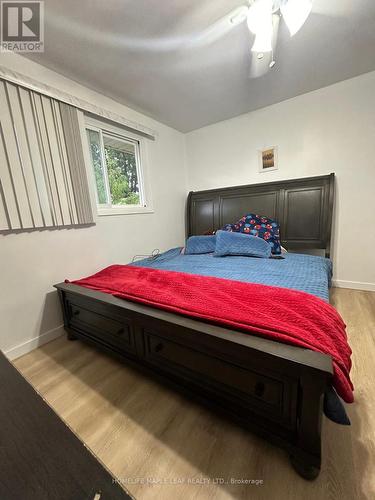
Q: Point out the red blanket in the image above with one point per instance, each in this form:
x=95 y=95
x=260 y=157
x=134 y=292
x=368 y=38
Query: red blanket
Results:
x=280 y=314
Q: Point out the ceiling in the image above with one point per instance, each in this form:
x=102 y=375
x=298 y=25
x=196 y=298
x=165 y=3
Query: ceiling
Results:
x=183 y=63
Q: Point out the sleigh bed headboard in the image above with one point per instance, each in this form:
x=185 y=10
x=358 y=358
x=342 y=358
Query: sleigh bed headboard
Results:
x=303 y=207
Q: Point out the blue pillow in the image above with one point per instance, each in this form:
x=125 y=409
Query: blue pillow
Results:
x=200 y=244
x=228 y=243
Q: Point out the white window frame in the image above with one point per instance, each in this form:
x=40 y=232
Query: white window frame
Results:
x=103 y=128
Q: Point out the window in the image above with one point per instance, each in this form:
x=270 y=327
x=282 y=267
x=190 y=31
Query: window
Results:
x=116 y=162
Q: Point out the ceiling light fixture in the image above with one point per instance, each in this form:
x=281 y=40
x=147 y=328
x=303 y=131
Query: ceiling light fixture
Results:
x=261 y=15
x=259 y=22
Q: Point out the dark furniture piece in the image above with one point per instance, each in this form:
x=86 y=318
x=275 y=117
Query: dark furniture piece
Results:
x=303 y=207
x=272 y=388
x=40 y=456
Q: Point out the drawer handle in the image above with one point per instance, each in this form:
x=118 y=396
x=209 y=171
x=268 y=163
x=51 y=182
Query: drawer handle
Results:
x=76 y=312
x=159 y=347
x=259 y=389
x=121 y=331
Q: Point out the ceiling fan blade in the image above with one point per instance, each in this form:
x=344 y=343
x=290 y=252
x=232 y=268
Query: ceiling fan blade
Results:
x=295 y=14
x=221 y=27
x=160 y=44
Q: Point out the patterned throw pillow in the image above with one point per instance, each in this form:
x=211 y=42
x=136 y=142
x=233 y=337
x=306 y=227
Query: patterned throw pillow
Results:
x=260 y=226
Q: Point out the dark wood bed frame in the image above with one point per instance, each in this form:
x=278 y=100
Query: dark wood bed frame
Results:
x=274 y=389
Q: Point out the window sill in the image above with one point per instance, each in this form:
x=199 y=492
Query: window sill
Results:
x=129 y=210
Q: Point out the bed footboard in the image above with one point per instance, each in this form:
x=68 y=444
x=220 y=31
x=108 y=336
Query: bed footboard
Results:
x=273 y=389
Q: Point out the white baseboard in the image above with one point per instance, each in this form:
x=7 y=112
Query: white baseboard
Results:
x=354 y=285
x=30 y=345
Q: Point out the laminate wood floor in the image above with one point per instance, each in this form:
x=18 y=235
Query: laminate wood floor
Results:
x=162 y=446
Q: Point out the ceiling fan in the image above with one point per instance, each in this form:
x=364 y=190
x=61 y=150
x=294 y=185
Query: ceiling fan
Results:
x=263 y=17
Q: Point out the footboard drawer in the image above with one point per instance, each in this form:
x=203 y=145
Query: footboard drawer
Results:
x=114 y=330
x=267 y=395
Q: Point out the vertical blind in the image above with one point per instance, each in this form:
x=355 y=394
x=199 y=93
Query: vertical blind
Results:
x=43 y=180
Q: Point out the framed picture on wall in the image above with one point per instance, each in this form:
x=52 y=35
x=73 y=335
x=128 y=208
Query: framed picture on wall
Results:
x=268 y=159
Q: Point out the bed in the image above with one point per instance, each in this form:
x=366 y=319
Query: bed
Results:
x=274 y=389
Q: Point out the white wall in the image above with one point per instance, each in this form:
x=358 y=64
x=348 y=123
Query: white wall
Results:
x=329 y=130
x=30 y=263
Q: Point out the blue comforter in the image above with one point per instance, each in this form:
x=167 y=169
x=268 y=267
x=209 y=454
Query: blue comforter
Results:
x=306 y=273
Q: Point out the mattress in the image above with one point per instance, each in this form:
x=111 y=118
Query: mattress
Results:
x=306 y=273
